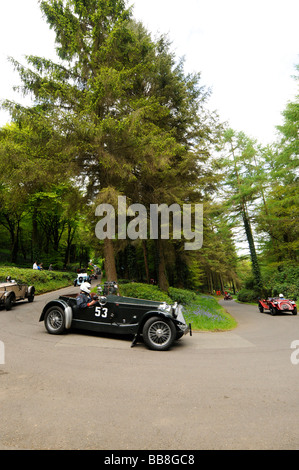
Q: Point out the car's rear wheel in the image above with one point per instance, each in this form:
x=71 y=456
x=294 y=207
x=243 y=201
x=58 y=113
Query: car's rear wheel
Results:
x=55 y=320
x=158 y=333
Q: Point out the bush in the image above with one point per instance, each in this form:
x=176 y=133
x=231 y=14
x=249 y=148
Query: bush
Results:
x=143 y=291
x=247 y=295
x=181 y=296
x=149 y=292
x=43 y=281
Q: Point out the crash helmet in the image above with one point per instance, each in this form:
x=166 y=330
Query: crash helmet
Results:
x=85 y=287
x=280 y=295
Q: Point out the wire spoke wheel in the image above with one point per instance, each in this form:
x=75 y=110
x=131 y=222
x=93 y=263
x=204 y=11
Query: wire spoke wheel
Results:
x=158 y=333
x=54 y=320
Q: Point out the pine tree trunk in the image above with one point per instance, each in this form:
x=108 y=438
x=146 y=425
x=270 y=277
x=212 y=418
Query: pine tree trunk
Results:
x=255 y=265
x=35 y=252
x=15 y=243
x=110 y=267
x=162 y=278
x=211 y=283
x=145 y=260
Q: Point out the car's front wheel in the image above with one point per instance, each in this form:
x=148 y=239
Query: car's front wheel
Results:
x=9 y=302
x=158 y=333
x=273 y=310
x=55 y=320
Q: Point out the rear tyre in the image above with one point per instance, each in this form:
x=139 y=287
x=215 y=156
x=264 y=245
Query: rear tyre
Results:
x=55 y=320
x=158 y=333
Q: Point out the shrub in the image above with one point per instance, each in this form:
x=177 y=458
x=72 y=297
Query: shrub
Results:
x=247 y=295
x=143 y=291
x=43 y=281
x=181 y=296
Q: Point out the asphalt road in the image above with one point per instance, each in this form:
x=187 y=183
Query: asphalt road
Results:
x=231 y=390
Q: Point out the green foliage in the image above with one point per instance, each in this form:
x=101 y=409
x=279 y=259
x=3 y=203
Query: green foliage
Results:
x=143 y=291
x=248 y=295
x=43 y=281
x=181 y=296
x=284 y=280
x=118 y=114
x=277 y=218
x=242 y=187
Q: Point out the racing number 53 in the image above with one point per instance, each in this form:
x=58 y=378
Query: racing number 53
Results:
x=101 y=312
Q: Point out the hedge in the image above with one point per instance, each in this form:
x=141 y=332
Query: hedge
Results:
x=143 y=291
x=43 y=281
x=247 y=295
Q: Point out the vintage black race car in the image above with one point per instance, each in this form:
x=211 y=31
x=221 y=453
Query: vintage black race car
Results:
x=158 y=324
x=277 y=305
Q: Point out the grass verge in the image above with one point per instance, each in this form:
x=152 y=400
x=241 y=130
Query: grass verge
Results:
x=206 y=314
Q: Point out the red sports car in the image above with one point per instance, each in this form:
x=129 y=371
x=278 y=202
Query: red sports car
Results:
x=277 y=305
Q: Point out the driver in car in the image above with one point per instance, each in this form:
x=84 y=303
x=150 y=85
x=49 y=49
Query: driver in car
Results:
x=84 y=298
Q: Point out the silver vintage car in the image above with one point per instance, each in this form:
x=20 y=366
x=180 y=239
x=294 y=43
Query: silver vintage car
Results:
x=11 y=291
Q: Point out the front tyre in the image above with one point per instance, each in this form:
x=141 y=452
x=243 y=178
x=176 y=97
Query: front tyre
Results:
x=55 y=320
x=158 y=333
x=273 y=310
x=9 y=302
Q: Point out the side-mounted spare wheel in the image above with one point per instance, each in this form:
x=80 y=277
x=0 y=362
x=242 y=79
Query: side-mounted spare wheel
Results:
x=55 y=320
x=158 y=333
x=31 y=292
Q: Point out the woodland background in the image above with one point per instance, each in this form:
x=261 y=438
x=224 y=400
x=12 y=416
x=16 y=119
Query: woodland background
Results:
x=117 y=115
